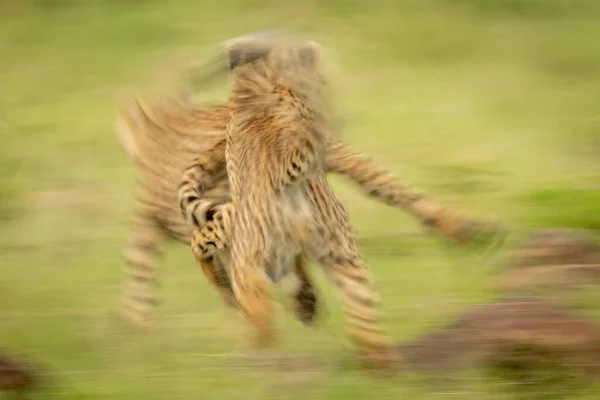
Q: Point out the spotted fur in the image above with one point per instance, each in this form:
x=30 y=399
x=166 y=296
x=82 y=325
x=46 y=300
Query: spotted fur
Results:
x=282 y=209
x=169 y=137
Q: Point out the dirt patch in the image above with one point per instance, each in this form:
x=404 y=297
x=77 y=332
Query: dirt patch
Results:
x=555 y=257
x=550 y=276
x=494 y=334
x=556 y=246
x=17 y=375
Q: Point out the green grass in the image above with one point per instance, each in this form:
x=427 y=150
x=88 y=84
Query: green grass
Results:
x=490 y=105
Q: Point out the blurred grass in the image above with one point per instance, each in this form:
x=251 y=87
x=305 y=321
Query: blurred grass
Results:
x=490 y=105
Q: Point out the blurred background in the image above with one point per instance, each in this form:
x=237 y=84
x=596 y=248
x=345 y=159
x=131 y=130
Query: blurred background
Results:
x=491 y=106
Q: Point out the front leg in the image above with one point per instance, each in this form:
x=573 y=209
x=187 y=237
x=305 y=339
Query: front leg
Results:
x=206 y=244
x=203 y=175
x=215 y=234
x=379 y=183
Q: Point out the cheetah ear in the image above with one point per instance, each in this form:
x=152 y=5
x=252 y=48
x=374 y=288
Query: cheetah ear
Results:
x=240 y=56
x=311 y=54
x=237 y=51
x=247 y=48
x=226 y=56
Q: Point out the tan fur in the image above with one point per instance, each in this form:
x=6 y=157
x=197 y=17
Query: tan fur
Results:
x=174 y=135
x=161 y=140
x=282 y=207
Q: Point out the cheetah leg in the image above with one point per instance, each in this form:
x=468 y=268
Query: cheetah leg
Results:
x=250 y=288
x=197 y=179
x=361 y=306
x=305 y=302
x=336 y=247
x=219 y=279
x=381 y=184
x=215 y=234
x=141 y=256
x=207 y=240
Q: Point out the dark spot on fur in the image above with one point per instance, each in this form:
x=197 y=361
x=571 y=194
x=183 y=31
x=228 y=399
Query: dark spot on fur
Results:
x=195 y=220
x=210 y=214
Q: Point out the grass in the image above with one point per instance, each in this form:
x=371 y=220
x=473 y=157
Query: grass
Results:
x=491 y=106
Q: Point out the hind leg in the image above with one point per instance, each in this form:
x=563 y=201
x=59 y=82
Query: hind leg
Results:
x=141 y=257
x=305 y=302
x=336 y=248
x=213 y=237
x=360 y=304
x=219 y=278
x=250 y=288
